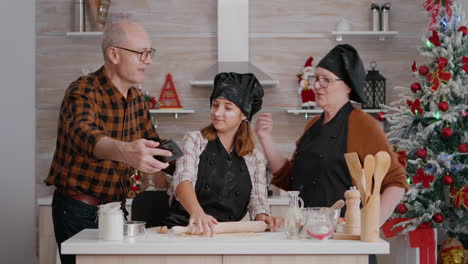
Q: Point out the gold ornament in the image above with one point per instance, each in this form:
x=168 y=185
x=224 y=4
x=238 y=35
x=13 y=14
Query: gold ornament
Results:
x=452 y=252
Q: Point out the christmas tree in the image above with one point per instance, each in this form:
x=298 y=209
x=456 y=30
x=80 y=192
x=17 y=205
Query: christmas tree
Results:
x=429 y=126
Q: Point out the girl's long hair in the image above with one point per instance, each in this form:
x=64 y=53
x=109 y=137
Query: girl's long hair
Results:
x=244 y=142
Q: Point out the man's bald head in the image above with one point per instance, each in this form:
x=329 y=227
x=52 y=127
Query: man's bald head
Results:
x=117 y=34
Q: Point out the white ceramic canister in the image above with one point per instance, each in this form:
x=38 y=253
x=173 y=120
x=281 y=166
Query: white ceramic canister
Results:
x=111 y=222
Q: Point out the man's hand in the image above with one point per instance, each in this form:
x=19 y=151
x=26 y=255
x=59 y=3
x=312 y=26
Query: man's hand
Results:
x=274 y=222
x=139 y=154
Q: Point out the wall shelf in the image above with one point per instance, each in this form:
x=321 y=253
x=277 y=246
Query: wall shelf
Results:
x=176 y=112
x=380 y=34
x=83 y=34
x=311 y=112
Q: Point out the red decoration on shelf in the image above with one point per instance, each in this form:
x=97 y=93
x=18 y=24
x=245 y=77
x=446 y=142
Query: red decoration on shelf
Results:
x=151 y=103
x=420 y=176
x=465 y=63
x=438 y=218
x=460 y=197
x=447 y=179
x=463 y=148
x=169 y=97
x=443 y=106
x=434 y=39
x=380 y=116
x=415 y=87
x=440 y=75
x=447 y=132
x=463 y=30
x=401 y=208
x=423 y=70
x=415 y=106
x=414 y=68
x=305 y=87
x=421 y=153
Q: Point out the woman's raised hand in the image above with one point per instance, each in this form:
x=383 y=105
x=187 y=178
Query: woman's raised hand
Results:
x=264 y=125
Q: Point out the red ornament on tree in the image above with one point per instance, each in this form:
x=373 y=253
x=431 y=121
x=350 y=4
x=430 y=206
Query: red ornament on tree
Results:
x=438 y=218
x=447 y=132
x=415 y=87
x=380 y=116
x=423 y=70
x=463 y=148
x=401 y=208
x=421 y=153
x=464 y=30
x=443 y=106
x=447 y=179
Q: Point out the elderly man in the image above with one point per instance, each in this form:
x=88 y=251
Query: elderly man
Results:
x=104 y=133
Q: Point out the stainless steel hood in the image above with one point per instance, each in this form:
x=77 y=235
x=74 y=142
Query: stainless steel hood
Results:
x=233 y=44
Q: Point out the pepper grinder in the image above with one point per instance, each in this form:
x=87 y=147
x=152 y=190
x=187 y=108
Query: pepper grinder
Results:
x=353 y=213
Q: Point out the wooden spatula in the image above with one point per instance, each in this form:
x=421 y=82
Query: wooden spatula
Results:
x=355 y=169
x=382 y=164
x=369 y=167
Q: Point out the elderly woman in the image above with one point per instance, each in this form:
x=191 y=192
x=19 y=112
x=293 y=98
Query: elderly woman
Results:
x=318 y=168
x=222 y=175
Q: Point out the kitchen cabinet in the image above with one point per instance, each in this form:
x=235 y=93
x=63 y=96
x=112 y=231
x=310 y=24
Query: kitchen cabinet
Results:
x=265 y=247
x=48 y=246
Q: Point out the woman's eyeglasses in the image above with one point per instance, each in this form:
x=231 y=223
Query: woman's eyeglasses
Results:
x=323 y=82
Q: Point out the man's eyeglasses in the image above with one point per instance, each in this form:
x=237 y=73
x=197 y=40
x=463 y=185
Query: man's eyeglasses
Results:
x=323 y=82
x=143 y=54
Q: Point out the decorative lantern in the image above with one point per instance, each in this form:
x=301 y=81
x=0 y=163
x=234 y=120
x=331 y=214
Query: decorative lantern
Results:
x=374 y=89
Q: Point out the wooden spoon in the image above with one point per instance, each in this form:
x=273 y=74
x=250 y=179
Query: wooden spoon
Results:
x=355 y=169
x=369 y=168
x=338 y=205
x=382 y=164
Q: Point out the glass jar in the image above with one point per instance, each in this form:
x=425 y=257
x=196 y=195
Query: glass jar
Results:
x=294 y=218
x=319 y=223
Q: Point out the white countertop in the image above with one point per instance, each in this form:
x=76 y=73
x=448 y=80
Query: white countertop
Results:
x=271 y=243
x=273 y=200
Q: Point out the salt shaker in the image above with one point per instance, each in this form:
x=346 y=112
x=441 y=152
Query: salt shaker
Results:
x=353 y=213
x=375 y=17
x=385 y=13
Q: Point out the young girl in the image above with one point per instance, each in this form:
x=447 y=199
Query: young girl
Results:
x=222 y=175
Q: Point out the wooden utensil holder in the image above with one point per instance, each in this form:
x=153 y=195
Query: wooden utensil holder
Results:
x=370 y=219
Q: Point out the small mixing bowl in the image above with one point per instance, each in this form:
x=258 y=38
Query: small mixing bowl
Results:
x=134 y=228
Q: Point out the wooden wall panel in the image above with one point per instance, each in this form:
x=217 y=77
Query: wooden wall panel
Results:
x=321 y=16
x=61 y=60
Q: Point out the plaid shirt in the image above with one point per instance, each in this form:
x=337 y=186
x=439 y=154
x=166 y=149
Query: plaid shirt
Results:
x=187 y=170
x=91 y=109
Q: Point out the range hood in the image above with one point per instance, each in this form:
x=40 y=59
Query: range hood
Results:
x=233 y=44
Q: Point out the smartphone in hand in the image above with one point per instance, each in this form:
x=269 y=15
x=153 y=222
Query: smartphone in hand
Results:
x=172 y=147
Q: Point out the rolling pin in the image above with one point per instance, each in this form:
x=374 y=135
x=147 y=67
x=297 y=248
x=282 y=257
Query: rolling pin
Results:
x=228 y=227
